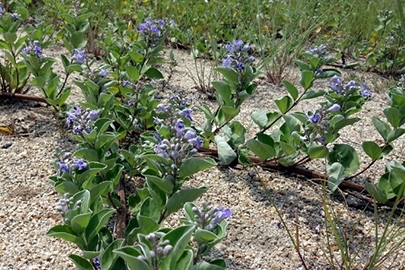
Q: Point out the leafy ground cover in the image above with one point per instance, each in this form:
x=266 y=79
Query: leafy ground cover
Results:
x=123 y=132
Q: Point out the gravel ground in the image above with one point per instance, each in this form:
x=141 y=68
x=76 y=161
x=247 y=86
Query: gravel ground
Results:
x=257 y=239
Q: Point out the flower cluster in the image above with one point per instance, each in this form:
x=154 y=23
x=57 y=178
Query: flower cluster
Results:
x=182 y=141
x=66 y=167
x=238 y=55
x=78 y=56
x=154 y=30
x=81 y=120
x=34 y=47
x=208 y=217
x=318 y=124
x=63 y=204
x=159 y=251
x=342 y=89
x=321 y=50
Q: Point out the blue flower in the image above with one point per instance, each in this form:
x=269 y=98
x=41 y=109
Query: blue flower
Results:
x=321 y=140
x=103 y=73
x=93 y=115
x=314 y=118
x=240 y=66
x=219 y=215
x=364 y=91
x=238 y=43
x=34 y=47
x=14 y=16
x=161 y=107
x=186 y=113
x=227 y=61
x=63 y=168
x=96 y=262
x=78 y=56
x=230 y=48
x=80 y=164
x=334 y=108
x=125 y=83
x=179 y=127
x=336 y=84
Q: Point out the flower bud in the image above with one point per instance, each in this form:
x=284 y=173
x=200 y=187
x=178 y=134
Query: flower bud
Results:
x=167 y=250
x=334 y=108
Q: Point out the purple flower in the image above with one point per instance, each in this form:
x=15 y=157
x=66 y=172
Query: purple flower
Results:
x=96 y=262
x=227 y=61
x=125 y=83
x=230 y=48
x=93 y=115
x=161 y=107
x=240 y=66
x=238 y=43
x=179 y=127
x=334 y=108
x=364 y=91
x=34 y=47
x=80 y=164
x=186 y=113
x=351 y=85
x=218 y=216
x=196 y=142
x=63 y=168
x=14 y=16
x=2 y=11
x=160 y=150
x=314 y=118
x=336 y=84
x=78 y=56
x=103 y=73
x=318 y=72
x=250 y=59
x=320 y=50
x=321 y=140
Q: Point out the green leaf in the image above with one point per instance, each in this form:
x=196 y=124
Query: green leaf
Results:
x=194 y=165
x=224 y=90
x=306 y=79
x=262 y=150
x=163 y=184
x=99 y=189
x=136 y=57
x=66 y=233
x=10 y=37
x=393 y=116
x=382 y=127
x=378 y=194
x=260 y=118
x=310 y=94
x=140 y=224
x=225 y=153
x=284 y=103
x=109 y=257
x=132 y=72
x=77 y=40
x=346 y=156
x=130 y=256
x=153 y=73
x=67 y=187
x=180 y=197
x=179 y=238
x=80 y=262
x=98 y=221
x=186 y=260
x=395 y=134
x=287 y=148
x=229 y=73
x=318 y=151
x=213 y=265
x=292 y=90
x=302 y=65
x=204 y=236
x=80 y=222
x=335 y=175
x=372 y=149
